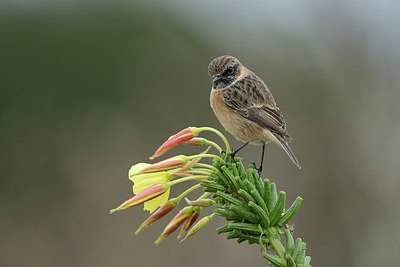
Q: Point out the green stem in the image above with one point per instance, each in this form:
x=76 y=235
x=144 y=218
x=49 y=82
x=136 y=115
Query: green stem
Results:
x=186 y=192
x=228 y=148
x=189 y=178
x=206 y=166
x=215 y=145
x=206 y=156
x=206 y=194
x=201 y=171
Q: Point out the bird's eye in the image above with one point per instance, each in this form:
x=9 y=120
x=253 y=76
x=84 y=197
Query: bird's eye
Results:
x=230 y=70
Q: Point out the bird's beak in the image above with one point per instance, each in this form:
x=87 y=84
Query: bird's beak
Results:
x=216 y=79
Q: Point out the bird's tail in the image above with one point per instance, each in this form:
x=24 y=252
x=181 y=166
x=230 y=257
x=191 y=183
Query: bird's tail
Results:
x=284 y=144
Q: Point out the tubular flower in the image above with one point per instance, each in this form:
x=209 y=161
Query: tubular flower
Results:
x=168 y=164
x=197 y=141
x=189 y=222
x=174 y=224
x=199 y=225
x=176 y=140
x=146 y=180
x=158 y=214
x=145 y=195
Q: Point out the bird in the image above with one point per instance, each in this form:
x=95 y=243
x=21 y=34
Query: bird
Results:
x=246 y=108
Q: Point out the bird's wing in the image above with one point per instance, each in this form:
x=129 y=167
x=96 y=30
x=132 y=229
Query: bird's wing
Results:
x=250 y=98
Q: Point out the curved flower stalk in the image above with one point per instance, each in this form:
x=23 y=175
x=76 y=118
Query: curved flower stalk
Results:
x=253 y=208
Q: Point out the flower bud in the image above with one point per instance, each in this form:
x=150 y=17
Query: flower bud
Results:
x=145 y=195
x=207 y=202
x=196 y=141
x=193 y=218
x=158 y=214
x=199 y=225
x=171 y=163
x=174 y=224
x=176 y=140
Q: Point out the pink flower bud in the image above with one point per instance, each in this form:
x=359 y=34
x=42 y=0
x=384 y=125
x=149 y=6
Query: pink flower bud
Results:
x=174 y=224
x=158 y=214
x=176 y=140
x=171 y=163
x=198 y=226
x=196 y=141
x=193 y=218
x=145 y=195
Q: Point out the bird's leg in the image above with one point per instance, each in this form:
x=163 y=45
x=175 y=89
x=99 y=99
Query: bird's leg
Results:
x=233 y=154
x=262 y=160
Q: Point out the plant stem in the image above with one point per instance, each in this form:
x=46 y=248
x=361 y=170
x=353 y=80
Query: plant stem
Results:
x=206 y=156
x=190 y=178
x=206 y=166
x=228 y=148
x=215 y=145
x=187 y=191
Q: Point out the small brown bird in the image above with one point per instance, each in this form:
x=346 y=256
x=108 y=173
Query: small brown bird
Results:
x=245 y=106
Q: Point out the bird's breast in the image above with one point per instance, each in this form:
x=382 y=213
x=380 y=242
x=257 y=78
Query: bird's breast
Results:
x=241 y=128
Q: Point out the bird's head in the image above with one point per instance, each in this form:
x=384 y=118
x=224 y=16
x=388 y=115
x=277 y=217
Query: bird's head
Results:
x=224 y=70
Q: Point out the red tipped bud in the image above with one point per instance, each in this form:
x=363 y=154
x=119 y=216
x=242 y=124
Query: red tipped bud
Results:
x=171 y=163
x=145 y=195
x=158 y=214
x=193 y=218
x=176 y=140
x=197 y=141
x=174 y=224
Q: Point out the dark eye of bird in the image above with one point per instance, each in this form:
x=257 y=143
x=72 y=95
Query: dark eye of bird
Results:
x=230 y=70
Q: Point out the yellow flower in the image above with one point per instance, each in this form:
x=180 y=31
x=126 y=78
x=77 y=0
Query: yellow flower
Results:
x=146 y=180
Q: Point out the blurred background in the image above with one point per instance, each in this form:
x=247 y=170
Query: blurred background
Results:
x=87 y=88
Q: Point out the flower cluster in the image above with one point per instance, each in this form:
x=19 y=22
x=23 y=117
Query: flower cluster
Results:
x=254 y=209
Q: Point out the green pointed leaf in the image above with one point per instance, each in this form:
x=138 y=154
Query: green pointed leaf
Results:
x=259 y=200
x=307 y=261
x=245 y=213
x=229 y=175
x=262 y=215
x=222 y=178
x=228 y=198
x=245 y=228
x=229 y=215
x=254 y=239
x=213 y=186
x=289 y=214
x=297 y=249
x=289 y=261
x=275 y=260
x=276 y=212
x=266 y=195
x=246 y=196
x=240 y=167
x=234 y=169
x=289 y=242
x=273 y=196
